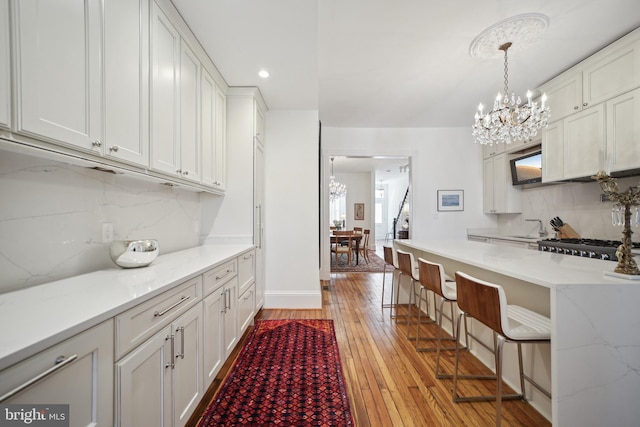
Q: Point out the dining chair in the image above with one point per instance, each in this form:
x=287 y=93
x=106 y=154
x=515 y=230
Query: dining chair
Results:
x=363 y=247
x=341 y=245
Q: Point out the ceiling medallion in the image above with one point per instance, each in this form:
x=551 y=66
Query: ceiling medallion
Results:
x=510 y=119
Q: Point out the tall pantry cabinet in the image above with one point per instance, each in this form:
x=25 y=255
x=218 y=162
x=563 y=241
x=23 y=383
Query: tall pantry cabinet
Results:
x=245 y=149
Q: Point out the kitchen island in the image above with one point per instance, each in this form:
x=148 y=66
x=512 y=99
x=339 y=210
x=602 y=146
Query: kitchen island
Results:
x=595 y=347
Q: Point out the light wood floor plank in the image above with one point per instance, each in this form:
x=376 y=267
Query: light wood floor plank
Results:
x=388 y=382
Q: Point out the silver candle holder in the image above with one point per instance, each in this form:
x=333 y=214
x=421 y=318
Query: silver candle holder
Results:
x=626 y=264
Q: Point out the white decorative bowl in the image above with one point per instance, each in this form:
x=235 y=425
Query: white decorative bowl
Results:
x=134 y=253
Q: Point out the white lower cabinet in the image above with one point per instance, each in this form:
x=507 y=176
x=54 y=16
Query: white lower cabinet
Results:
x=77 y=372
x=160 y=382
x=247 y=308
x=220 y=328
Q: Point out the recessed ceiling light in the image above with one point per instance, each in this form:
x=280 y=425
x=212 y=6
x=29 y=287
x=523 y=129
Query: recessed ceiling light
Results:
x=263 y=73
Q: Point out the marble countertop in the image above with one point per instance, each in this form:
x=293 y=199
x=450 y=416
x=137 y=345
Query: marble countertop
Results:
x=542 y=268
x=528 y=238
x=38 y=317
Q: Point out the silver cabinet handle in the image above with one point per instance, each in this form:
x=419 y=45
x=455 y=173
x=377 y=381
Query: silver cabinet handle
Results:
x=229 y=298
x=171 y=363
x=96 y=143
x=115 y=148
x=575 y=107
x=185 y=172
x=248 y=256
x=181 y=330
x=59 y=363
x=157 y=313
x=224 y=275
x=584 y=104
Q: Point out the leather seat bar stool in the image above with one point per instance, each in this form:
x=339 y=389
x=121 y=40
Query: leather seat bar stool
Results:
x=434 y=279
x=408 y=267
x=388 y=260
x=487 y=303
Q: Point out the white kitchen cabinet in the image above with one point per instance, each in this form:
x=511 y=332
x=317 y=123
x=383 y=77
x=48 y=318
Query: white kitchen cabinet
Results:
x=230 y=316
x=258 y=122
x=623 y=131
x=165 y=81
x=77 y=372
x=564 y=95
x=246 y=308
x=584 y=140
x=5 y=67
x=213 y=342
x=258 y=227
x=492 y=150
x=160 y=382
x=246 y=270
x=221 y=140
x=553 y=152
x=126 y=81
x=499 y=195
x=190 y=148
x=59 y=86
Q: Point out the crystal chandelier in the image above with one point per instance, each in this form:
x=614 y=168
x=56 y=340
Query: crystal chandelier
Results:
x=510 y=119
x=336 y=190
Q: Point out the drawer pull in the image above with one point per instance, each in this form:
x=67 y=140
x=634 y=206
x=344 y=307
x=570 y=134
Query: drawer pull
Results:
x=60 y=363
x=225 y=274
x=157 y=313
x=248 y=256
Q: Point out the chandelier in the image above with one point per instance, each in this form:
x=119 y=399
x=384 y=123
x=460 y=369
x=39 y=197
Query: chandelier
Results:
x=336 y=190
x=510 y=119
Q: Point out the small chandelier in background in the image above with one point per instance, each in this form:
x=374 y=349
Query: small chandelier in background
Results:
x=336 y=190
x=510 y=119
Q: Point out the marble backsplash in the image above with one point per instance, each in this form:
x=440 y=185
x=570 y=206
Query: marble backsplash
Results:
x=576 y=203
x=51 y=217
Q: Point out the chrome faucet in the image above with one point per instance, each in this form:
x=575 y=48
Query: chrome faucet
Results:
x=542 y=231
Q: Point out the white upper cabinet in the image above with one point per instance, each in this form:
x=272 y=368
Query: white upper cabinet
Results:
x=564 y=95
x=165 y=60
x=190 y=155
x=584 y=140
x=59 y=71
x=126 y=80
x=221 y=140
x=5 y=65
x=208 y=127
x=259 y=122
x=623 y=131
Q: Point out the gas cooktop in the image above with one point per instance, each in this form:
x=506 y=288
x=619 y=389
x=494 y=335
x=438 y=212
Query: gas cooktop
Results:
x=591 y=248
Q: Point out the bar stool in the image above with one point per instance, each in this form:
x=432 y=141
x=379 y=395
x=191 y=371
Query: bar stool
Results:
x=388 y=260
x=408 y=267
x=434 y=279
x=487 y=303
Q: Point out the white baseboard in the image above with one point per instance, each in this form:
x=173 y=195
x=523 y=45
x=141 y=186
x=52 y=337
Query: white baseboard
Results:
x=293 y=300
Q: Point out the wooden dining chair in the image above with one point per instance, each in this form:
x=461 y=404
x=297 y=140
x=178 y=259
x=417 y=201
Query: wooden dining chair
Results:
x=363 y=247
x=357 y=230
x=341 y=245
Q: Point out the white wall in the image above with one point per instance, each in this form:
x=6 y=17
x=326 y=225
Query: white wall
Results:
x=292 y=210
x=51 y=217
x=441 y=159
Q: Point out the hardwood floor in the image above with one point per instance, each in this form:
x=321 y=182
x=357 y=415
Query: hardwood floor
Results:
x=388 y=382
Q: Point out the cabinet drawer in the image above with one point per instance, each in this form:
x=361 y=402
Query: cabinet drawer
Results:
x=134 y=326
x=77 y=372
x=219 y=275
x=246 y=270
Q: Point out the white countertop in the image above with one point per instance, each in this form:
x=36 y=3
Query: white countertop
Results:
x=542 y=268
x=514 y=237
x=40 y=316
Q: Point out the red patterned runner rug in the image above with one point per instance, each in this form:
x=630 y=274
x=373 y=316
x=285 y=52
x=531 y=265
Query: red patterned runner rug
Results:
x=288 y=374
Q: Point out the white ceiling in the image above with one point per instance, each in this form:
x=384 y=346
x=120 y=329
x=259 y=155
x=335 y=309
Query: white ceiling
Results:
x=381 y=63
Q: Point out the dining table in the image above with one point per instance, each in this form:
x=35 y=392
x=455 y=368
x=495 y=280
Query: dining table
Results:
x=355 y=237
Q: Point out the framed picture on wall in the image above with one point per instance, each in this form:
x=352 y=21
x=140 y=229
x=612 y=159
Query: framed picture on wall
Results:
x=450 y=200
x=358 y=211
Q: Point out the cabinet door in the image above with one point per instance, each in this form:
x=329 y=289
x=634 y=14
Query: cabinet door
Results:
x=500 y=175
x=246 y=308
x=258 y=228
x=187 y=375
x=584 y=141
x=208 y=127
x=553 y=152
x=564 y=95
x=59 y=71
x=190 y=162
x=143 y=383
x=258 y=122
x=165 y=62
x=246 y=270
x=126 y=80
x=611 y=72
x=5 y=98
x=623 y=131
x=212 y=341
x=487 y=185
x=83 y=380
x=221 y=140
x=230 y=317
